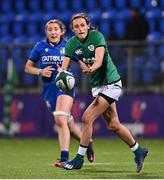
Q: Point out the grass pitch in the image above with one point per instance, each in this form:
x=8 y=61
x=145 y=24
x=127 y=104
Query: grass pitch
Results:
x=33 y=159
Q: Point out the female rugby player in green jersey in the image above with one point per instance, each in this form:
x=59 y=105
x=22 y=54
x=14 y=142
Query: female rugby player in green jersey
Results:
x=89 y=46
x=49 y=53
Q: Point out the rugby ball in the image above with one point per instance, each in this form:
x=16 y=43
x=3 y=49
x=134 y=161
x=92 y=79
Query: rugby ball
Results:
x=65 y=81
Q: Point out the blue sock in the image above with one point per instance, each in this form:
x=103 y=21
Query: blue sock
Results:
x=64 y=155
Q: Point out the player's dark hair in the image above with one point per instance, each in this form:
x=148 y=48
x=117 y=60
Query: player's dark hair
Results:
x=61 y=25
x=84 y=16
x=79 y=15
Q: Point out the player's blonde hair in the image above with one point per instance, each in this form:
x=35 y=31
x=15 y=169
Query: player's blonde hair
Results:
x=61 y=25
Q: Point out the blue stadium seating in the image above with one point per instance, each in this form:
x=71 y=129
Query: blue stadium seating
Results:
x=6 y=6
x=34 y=5
x=62 y=5
x=24 y=21
x=106 y=4
x=77 y=5
x=109 y=14
x=49 y=5
x=18 y=28
x=161 y=26
x=135 y=4
x=105 y=28
x=154 y=36
x=90 y=5
x=32 y=28
x=120 y=4
x=119 y=29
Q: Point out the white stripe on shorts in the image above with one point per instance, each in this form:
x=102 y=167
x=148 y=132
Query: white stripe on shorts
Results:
x=112 y=90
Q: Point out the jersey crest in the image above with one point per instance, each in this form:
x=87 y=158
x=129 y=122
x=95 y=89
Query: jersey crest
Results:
x=91 y=47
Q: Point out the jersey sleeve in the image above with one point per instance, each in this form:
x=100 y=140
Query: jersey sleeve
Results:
x=34 y=55
x=99 y=39
x=69 y=52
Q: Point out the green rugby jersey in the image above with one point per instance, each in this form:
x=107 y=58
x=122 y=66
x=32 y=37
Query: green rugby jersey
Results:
x=85 y=51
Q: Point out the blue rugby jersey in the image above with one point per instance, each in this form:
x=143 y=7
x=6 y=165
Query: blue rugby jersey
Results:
x=47 y=54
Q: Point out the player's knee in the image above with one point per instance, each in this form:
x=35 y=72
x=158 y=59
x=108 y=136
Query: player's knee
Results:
x=60 y=121
x=113 y=126
x=86 y=119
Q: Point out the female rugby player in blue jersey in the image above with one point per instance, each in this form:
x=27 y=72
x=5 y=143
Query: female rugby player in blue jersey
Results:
x=50 y=54
x=95 y=61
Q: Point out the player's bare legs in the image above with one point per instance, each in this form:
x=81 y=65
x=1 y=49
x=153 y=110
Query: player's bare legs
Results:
x=64 y=104
x=113 y=124
x=65 y=126
x=76 y=133
x=97 y=107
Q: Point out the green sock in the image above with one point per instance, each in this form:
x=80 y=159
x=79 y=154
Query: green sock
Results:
x=79 y=156
x=138 y=150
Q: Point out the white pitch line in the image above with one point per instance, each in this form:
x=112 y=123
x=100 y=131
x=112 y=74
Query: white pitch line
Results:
x=118 y=163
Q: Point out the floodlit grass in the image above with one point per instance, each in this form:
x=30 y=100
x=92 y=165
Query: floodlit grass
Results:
x=33 y=159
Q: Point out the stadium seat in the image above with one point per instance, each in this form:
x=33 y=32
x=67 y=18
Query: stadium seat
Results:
x=36 y=16
x=148 y=4
x=105 y=28
x=4 y=29
x=152 y=25
x=7 y=17
x=34 y=5
x=148 y=75
x=150 y=50
x=18 y=28
x=119 y=29
x=161 y=25
x=66 y=16
x=90 y=5
x=8 y=38
x=77 y=5
x=120 y=4
x=161 y=3
x=154 y=36
x=50 y=15
x=18 y=58
x=32 y=28
x=19 y=6
x=21 y=12
x=138 y=62
x=109 y=14
x=49 y=5
x=123 y=14
x=106 y=4
x=95 y=15
x=62 y=5
x=161 y=51
x=3 y=58
x=135 y=4
x=153 y=13
x=6 y=6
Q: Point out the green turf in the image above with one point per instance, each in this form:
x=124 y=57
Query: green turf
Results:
x=33 y=158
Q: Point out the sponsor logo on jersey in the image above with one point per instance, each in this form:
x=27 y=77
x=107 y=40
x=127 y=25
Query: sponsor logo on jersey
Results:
x=62 y=50
x=46 y=49
x=78 y=52
x=91 y=47
x=89 y=60
x=52 y=59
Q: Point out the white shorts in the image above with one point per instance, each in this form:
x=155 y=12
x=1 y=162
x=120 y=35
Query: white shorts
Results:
x=112 y=90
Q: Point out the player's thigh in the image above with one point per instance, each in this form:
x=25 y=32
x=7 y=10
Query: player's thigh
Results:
x=64 y=103
x=95 y=109
x=110 y=115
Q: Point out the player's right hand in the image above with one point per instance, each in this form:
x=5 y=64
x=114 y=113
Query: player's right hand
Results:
x=47 y=71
